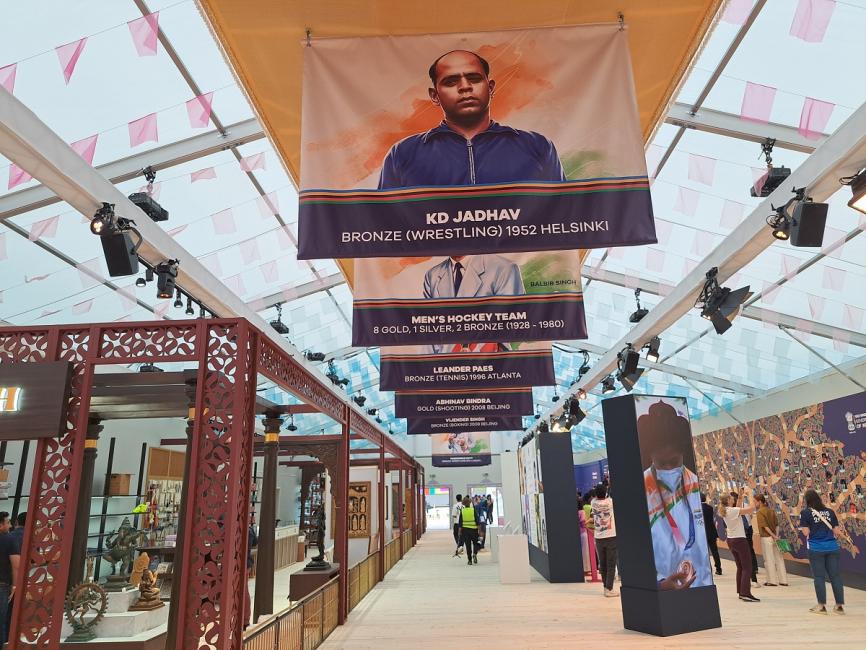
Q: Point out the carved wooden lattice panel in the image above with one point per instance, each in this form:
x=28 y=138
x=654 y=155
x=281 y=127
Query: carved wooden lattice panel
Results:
x=149 y=342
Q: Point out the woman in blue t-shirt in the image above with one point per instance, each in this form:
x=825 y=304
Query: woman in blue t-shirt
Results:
x=820 y=526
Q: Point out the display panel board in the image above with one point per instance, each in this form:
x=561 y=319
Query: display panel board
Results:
x=821 y=446
x=460 y=449
x=34 y=399
x=667 y=585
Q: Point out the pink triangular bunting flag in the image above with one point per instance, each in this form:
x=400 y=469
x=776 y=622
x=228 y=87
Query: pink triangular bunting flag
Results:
x=852 y=317
x=250 y=163
x=202 y=174
x=790 y=264
x=702 y=243
x=757 y=102
x=702 y=169
x=687 y=201
x=212 y=263
x=145 y=34
x=737 y=11
x=69 y=55
x=176 y=231
x=270 y=271
x=811 y=20
x=655 y=260
x=7 y=77
x=223 y=222
x=44 y=229
x=770 y=292
x=127 y=300
x=285 y=238
x=17 y=176
x=153 y=189
x=816 y=306
x=663 y=231
x=89 y=273
x=86 y=148
x=235 y=285
x=142 y=130
x=732 y=214
x=199 y=109
x=82 y=307
x=161 y=308
x=269 y=205
x=834 y=279
x=814 y=118
x=249 y=251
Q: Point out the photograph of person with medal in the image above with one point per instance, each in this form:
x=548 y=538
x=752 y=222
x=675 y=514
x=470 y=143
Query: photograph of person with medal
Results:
x=673 y=493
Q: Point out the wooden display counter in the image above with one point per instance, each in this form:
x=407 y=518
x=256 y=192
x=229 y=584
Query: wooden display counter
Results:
x=303 y=583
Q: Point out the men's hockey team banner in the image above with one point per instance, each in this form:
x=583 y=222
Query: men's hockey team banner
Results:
x=438 y=404
x=467 y=300
x=457 y=144
x=415 y=426
x=460 y=449
x=466 y=367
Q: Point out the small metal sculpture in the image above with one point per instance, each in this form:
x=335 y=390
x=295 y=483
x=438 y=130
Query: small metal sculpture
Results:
x=319 y=561
x=149 y=594
x=120 y=546
x=85 y=606
x=141 y=563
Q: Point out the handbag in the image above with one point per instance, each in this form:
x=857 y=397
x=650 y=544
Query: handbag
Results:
x=784 y=545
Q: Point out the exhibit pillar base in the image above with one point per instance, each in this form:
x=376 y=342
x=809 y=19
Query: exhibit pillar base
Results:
x=666 y=613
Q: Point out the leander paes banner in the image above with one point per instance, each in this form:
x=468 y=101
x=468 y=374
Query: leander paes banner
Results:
x=463 y=424
x=460 y=449
x=466 y=367
x=460 y=144
x=438 y=404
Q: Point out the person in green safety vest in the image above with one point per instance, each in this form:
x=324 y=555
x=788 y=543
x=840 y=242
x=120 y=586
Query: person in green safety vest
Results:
x=469 y=530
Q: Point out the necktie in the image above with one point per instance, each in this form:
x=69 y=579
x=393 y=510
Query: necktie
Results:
x=458 y=276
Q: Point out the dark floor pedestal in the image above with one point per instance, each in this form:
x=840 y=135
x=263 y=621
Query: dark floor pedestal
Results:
x=666 y=613
x=156 y=643
x=303 y=583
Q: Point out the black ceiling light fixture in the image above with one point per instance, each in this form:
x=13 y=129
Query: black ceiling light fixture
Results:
x=607 y=385
x=542 y=427
x=149 y=367
x=638 y=314
x=628 y=372
x=148 y=277
x=584 y=367
x=115 y=234
x=145 y=200
x=774 y=177
x=189 y=310
x=178 y=299
x=801 y=220
x=652 y=349
x=291 y=426
x=314 y=356
x=857 y=182
x=279 y=326
x=166 y=278
x=372 y=411
x=720 y=305
x=359 y=399
x=555 y=397
x=780 y=224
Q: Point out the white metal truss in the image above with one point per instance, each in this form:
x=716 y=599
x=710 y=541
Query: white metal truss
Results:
x=842 y=154
x=35 y=148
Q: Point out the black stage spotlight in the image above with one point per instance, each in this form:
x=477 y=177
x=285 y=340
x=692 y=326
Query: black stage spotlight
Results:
x=718 y=304
x=146 y=202
x=628 y=359
x=189 y=309
x=314 y=356
x=359 y=399
x=628 y=381
x=575 y=413
x=607 y=385
x=807 y=223
x=652 y=349
x=166 y=277
x=774 y=177
x=372 y=411
x=178 y=301
x=279 y=326
x=291 y=426
x=780 y=224
x=638 y=314
x=115 y=234
x=542 y=427
x=140 y=282
x=858 y=190
x=584 y=367
x=555 y=397
x=378 y=420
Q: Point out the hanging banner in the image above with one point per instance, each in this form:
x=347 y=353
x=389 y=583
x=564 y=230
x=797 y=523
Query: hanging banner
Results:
x=466 y=367
x=461 y=144
x=476 y=299
x=439 y=404
x=419 y=426
x=460 y=449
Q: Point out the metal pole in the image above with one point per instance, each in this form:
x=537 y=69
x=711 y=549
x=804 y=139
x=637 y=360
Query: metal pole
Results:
x=264 y=596
x=104 y=510
x=341 y=520
x=383 y=480
x=82 y=517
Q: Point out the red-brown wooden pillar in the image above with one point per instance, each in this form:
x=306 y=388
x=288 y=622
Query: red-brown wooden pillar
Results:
x=341 y=519
x=264 y=601
x=82 y=517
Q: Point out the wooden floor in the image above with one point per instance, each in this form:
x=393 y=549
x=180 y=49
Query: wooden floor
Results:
x=431 y=600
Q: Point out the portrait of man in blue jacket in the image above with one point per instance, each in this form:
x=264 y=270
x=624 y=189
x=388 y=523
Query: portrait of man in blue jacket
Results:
x=468 y=147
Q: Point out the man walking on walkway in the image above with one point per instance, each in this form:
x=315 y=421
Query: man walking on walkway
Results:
x=712 y=532
x=469 y=530
x=455 y=519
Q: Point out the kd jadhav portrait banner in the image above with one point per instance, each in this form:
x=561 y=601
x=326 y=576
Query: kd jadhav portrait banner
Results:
x=461 y=144
x=466 y=367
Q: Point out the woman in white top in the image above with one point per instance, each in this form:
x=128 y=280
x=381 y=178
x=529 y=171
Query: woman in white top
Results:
x=732 y=512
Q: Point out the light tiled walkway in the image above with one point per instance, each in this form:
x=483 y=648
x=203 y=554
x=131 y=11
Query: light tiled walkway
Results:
x=431 y=600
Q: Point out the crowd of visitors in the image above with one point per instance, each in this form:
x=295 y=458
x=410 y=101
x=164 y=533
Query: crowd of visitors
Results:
x=470 y=518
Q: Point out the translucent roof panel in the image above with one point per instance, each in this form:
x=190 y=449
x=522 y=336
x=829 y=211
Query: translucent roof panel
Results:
x=236 y=211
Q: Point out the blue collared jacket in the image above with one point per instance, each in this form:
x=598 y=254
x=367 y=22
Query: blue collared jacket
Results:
x=500 y=154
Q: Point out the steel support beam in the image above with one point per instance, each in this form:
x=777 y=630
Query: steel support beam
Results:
x=842 y=154
x=128 y=168
x=35 y=148
x=754 y=313
x=302 y=290
x=733 y=126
